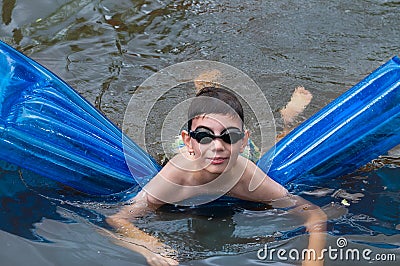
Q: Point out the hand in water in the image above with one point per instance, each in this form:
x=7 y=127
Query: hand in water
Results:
x=156 y=254
x=163 y=256
x=155 y=259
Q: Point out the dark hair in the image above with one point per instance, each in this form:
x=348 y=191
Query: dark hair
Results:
x=211 y=100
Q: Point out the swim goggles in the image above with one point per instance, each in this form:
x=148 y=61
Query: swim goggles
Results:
x=205 y=136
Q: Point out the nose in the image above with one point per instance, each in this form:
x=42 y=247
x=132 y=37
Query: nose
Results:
x=218 y=144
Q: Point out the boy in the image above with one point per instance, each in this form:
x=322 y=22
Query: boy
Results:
x=211 y=166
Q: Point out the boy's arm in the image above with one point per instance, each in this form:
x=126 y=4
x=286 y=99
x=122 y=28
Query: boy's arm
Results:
x=315 y=222
x=131 y=237
x=271 y=192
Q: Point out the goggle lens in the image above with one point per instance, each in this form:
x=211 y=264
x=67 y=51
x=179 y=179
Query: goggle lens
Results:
x=205 y=137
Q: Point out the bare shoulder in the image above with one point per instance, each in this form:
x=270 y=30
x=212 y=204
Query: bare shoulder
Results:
x=176 y=170
x=157 y=192
x=255 y=185
x=172 y=183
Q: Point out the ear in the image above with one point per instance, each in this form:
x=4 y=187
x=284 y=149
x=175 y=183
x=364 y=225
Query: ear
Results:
x=187 y=140
x=245 y=140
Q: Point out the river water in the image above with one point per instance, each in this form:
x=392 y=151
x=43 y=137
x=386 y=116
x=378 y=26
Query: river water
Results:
x=106 y=49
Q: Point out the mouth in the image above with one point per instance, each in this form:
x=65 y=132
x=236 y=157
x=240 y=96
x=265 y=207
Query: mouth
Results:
x=218 y=160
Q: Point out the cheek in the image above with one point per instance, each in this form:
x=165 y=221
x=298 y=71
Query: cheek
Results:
x=203 y=148
x=198 y=149
x=236 y=148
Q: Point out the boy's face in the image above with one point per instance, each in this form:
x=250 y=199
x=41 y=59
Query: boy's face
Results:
x=216 y=156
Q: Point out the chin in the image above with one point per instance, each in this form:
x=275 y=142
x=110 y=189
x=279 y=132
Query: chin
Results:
x=214 y=170
x=217 y=169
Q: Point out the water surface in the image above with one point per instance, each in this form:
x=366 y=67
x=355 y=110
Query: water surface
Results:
x=106 y=49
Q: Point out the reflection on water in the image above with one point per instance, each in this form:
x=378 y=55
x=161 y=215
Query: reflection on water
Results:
x=106 y=49
x=7 y=8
